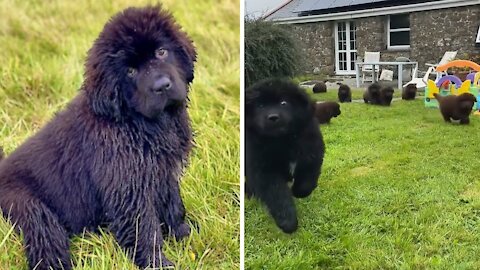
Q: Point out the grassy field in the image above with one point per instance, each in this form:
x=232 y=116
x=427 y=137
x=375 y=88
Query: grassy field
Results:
x=42 y=48
x=399 y=189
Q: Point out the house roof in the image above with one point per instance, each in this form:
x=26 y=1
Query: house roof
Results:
x=317 y=5
x=300 y=10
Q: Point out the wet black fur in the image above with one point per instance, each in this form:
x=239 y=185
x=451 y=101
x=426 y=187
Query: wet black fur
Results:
x=110 y=157
x=271 y=148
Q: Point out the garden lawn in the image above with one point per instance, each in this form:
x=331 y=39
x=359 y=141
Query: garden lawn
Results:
x=400 y=189
x=43 y=45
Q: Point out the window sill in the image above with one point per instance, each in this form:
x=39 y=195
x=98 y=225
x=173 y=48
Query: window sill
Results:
x=398 y=49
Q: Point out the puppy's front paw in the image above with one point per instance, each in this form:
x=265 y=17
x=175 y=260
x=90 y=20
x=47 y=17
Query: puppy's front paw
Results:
x=182 y=231
x=302 y=191
x=288 y=225
x=166 y=264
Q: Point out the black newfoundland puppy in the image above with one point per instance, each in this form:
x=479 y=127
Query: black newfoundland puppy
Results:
x=409 y=92
x=456 y=107
x=283 y=142
x=378 y=95
x=114 y=156
x=324 y=111
x=344 y=93
x=320 y=87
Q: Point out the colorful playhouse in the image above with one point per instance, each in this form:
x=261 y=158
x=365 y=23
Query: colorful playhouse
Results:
x=452 y=85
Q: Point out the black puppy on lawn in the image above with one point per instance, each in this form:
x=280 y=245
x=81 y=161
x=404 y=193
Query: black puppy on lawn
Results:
x=283 y=142
x=115 y=155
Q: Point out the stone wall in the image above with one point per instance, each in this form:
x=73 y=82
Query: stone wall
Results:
x=431 y=34
x=372 y=37
x=434 y=32
x=317 y=41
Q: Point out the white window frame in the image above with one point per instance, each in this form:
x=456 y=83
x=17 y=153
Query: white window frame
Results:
x=396 y=47
x=348 y=54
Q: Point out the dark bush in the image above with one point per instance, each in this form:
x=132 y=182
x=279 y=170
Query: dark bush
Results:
x=270 y=51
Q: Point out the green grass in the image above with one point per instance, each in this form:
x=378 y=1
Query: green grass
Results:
x=399 y=189
x=43 y=45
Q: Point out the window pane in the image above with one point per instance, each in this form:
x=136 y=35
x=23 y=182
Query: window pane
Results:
x=399 y=21
x=353 y=57
x=400 y=38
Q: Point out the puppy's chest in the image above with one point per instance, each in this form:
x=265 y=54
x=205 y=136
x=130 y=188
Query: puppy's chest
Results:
x=142 y=157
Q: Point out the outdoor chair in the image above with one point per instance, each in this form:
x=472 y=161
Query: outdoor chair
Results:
x=447 y=57
x=367 y=70
x=422 y=82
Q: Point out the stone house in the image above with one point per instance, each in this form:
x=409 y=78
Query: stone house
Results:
x=336 y=33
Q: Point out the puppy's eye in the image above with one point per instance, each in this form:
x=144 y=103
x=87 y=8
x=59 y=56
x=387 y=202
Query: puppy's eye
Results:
x=131 y=72
x=283 y=103
x=161 y=53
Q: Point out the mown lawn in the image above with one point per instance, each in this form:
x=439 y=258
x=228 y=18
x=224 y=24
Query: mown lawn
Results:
x=42 y=48
x=399 y=189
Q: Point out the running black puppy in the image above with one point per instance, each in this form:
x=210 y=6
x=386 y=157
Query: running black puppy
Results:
x=320 y=87
x=372 y=94
x=344 y=93
x=283 y=142
x=409 y=92
x=456 y=107
x=386 y=95
x=324 y=111
x=378 y=95
x=114 y=156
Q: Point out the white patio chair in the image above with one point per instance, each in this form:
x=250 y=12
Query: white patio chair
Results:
x=368 y=69
x=447 y=57
x=408 y=72
x=422 y=82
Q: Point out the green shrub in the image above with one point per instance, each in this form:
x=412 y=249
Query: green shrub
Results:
x=270 y=51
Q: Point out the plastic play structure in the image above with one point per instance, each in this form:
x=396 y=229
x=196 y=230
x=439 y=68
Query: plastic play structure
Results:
x=452 y=85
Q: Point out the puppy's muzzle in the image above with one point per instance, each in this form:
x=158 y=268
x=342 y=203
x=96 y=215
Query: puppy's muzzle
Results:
x=161 y=85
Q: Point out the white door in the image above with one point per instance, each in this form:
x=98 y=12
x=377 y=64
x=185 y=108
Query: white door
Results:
x=345 y=47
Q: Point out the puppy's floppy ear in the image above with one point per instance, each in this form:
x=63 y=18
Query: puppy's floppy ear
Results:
x=250 y=96
x=107 y=101
x=466 y=105
x=187 y=54
x=467 y=97
x=102 y=82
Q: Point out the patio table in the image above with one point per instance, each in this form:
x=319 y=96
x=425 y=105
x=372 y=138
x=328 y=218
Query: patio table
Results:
x=398 y=64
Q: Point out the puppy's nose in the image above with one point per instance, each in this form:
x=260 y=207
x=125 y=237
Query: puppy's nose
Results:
x=273 y=117
x=162 y=84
